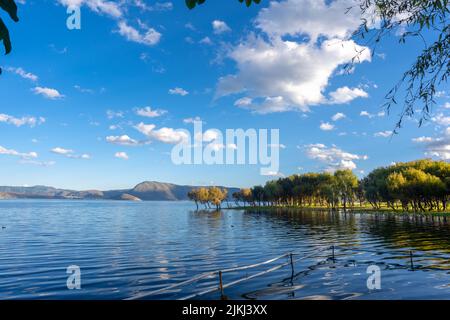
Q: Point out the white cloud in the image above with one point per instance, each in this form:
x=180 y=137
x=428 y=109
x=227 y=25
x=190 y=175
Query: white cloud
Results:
x=178 y=91
x=273 y=174
x=114 y=114
x=62 y=151
x=383 y=134
x=446 y=105
x=18 y=122
x=149 y=113
x=38 y=163
x=312 y=18
x=192 y=120
x=107 y=7
x=83 y=90
x=148 y=36
x=206 y=40
x=333 y=157
x=243 y=102
x=441 y=119
x=164 y=135
x=48 y=93
x=158 y=6
x=423 y=139
x=123 y=140
x=346 y=95
x=371 y=115
x=121 y=155
x=24 y=74
x=338 y=116
x=220 y=27
x=436 y=147
x=12 y=152
x=288 y=75
x=68 y=153
x=281 y=75
x=326 y=126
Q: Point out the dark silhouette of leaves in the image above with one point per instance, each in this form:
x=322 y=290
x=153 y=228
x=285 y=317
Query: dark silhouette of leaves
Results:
x=11 y=8
x=4 y=36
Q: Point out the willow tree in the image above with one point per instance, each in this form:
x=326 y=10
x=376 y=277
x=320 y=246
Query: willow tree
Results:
x=412 y=18
x=418 y=86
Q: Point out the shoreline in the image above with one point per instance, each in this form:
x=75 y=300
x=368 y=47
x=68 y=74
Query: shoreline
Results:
x=356 y=209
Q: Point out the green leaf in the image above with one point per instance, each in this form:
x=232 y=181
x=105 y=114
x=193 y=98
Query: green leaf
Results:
x=191 y=4
x=4 y=36
x=10 y=7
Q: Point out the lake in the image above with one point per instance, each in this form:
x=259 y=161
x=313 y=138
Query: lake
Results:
x=128 y=248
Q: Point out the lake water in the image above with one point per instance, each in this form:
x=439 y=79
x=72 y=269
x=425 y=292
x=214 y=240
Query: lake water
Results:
x=127 y=248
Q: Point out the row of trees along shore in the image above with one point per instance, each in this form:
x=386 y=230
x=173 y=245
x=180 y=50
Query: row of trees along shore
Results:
x=418 y=186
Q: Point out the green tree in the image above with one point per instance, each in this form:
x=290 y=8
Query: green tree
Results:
x=193 y=195
x=216 y=196
x=346 y=184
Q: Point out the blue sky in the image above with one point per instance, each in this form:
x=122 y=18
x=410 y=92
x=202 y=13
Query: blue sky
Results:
x=70 y=96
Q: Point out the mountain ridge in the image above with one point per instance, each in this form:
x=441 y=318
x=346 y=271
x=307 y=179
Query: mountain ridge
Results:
x=145 y=191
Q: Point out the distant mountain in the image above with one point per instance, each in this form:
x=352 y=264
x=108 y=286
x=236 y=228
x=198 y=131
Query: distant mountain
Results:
x=146 y=191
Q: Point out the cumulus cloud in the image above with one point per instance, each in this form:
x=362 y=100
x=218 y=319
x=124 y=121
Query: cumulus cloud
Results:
x=149 y=112
x=312 y=18
x=18 y=122
x=158 y=6
x=326 y=126
x=346 y=95
x=287 y=75
x=23 y=155
x=281 y=75
x=147 y=36
x=441 y=119
x=383 y=134
x=48 y=93
x=68 y=153
x=164 y=135
x=62 y=151
x=22 y=73
x=338 y=116
x=178 y=91
x=438 y=147
x=369 y=115
x=220 y=27
x=117 y=9
x=123 y=140
x=121 y=155
x=333 y=157
x=106 y=7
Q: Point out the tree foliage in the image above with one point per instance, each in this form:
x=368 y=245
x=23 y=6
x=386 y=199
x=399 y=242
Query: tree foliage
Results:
x=208 y=197
x=422 y=185
x=11 y=8
x=412 y=19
